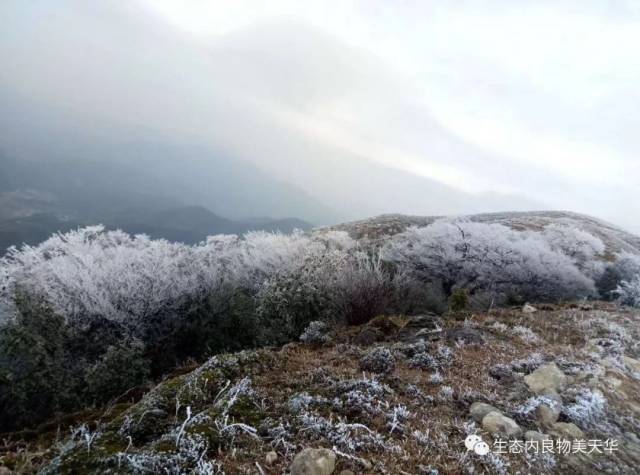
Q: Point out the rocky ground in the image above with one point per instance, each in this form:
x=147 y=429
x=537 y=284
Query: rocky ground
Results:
x=541 y=389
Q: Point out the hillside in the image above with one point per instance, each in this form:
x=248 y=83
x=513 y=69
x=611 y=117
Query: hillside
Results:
x=380 y=227
x=388 y=342
x=398 y=395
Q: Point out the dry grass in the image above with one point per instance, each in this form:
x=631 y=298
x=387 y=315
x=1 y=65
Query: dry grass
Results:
x=433 y=435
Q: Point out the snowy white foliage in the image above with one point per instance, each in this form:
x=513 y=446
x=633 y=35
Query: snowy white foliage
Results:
x=480 y=256
x=628 y=292
x=347 y=437
x=378 y=360
x=526 y=334
x=436 y=378
x=531 y=404
x=446 y=393
x=396 y=419
x=366 y=396
x=423 y=361
x=581 y=247
x=587 y=407
x=315 y=333
x=136 y=282
x=129 y=279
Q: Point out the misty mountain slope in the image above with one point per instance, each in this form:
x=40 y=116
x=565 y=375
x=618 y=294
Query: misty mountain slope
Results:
x=275 y=125
x=192 y=224
x=614 y=238
x=40 y=198
x=348 y=166
x=58 y=151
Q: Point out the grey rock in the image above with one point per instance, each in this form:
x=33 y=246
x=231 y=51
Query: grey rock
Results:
x=469 y=336
x=546 y=379
x=480 y=409
x=271 y=458
x=566 y=430
x=496 y=423
x=427 y=327
x=313 y=462
x=549 y=411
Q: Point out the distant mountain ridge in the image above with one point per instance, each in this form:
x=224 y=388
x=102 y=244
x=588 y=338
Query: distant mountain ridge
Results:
x=40 y=198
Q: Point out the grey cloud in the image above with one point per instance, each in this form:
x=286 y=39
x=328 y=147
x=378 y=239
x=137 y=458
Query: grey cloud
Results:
x=83 y=72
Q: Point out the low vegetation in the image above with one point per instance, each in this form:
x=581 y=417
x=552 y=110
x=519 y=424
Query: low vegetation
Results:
x=372 y=408
x=78 y=306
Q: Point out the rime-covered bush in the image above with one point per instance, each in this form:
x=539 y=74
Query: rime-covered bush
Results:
x=70 y=303
x=37 y=376
x=378 y=360
x=365 y=286
x=88 y=314
x=481 y=257
x=289 y=301
x=122 y=367
x=315 y=333
x=412 y=296
x=329 y=285
x=628 y=292
x=624 y=268
x=134 y=280
x=459 y=300
x=47 y=367
x=583 y=248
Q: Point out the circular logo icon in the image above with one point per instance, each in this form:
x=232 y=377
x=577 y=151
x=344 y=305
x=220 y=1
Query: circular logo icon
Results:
x=474 y=442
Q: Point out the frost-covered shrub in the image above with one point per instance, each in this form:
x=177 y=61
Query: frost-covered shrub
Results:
x=423 y=361
x=526 y=334
x=122 y=367
x=289 y=302
x=412 y=296
x=628 y=292
x=133 y=279
x=330 y=285
x=365 y=287
x=360 y=397
x=436 y=378
x=528 y=408
x=581 y=247
x=378 y=360
x=36 y=375
x=446 y=393
x=315 y=333
x=459 y=300
x=396 y=419
x=348 y=437
x=444 y=355
x=586 y=408
x=624 y=268
x=302 y=401
x=481 y=257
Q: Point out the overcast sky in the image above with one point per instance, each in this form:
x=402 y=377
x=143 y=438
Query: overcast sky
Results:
x=536 y=100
